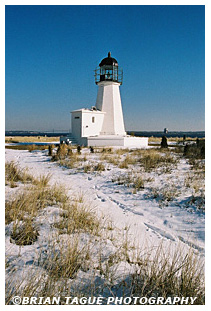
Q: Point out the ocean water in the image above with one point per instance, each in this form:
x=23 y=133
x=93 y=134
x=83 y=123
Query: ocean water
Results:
x=199 y=134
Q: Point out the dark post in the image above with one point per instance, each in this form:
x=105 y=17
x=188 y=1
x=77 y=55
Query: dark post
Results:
x=50 y=150
x=164 y=143
x=184 y=138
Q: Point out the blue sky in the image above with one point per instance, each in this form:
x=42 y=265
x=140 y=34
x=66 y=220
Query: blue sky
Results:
x=52 y=51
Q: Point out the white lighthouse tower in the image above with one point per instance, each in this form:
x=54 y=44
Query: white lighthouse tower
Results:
x=103 y=124
x=108 y=77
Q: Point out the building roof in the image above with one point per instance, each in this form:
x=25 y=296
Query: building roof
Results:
x=110 y=61
x=87 y=110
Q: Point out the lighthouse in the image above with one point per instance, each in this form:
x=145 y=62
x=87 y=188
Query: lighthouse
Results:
x=103 y=123
x=108 y=77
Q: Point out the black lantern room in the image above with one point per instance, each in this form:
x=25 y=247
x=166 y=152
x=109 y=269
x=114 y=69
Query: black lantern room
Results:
x=108 y=70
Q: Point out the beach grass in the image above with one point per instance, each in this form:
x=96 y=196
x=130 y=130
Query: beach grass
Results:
x=31 y=139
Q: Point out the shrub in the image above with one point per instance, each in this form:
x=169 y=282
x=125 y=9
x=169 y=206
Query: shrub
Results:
x=195 y=151
x=62 y=151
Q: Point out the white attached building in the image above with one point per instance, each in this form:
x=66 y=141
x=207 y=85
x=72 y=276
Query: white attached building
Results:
x=103 y=124
x=86 y=123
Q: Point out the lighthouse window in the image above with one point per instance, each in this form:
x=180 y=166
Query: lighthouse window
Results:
x=93 y=119
x=115 y=74
x=77 y=117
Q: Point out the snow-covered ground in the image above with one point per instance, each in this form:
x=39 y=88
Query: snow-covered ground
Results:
x=149 y=221
x=146 y=219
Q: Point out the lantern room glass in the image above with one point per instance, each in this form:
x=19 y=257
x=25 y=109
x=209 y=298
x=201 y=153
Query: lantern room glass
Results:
x=108 y=73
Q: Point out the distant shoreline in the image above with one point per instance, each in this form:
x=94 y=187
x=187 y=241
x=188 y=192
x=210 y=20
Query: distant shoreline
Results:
x=199 y=134
x=192 y=134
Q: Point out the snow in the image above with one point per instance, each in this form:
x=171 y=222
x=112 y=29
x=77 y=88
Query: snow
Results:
x=140 y=216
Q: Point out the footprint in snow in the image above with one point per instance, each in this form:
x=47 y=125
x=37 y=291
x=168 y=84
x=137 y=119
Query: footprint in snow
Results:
x=101 y=199
x=159 y=231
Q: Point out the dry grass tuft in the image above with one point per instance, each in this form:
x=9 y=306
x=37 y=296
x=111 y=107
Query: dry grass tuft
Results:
x=31 y=200
x=122 y=151
x=24 y=233
x=167 y=276
x=153 y=160
x=14 y=174
x=31 y=148
x=129 y=160
x=130 y=180
x=99 y=167
x=87 y=168
x=22 y=206
x=110 y=158
x=165 y=194
x=42 y=180
x=30 y=139
x=65 y=259
x=76 y=217
x=107 y=150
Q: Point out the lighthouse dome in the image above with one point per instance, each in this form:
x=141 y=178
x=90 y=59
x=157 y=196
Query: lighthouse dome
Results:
x=108 y=61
